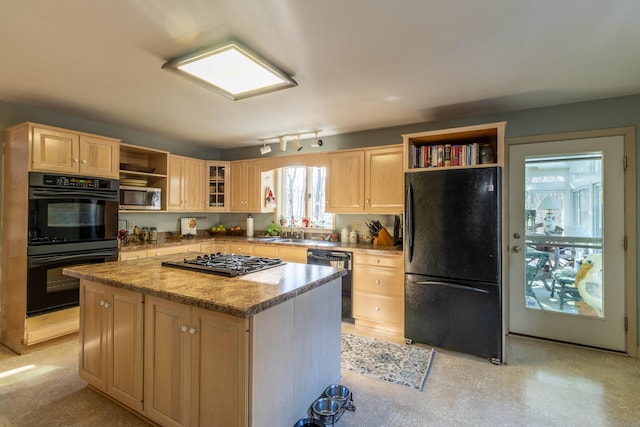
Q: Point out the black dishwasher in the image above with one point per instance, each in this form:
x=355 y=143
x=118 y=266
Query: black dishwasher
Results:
x=337 y=259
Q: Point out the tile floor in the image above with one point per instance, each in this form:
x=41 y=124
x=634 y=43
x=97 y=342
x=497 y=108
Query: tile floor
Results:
x=544 y=384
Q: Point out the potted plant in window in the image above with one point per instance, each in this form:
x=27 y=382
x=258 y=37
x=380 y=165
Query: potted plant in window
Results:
x=273 y=229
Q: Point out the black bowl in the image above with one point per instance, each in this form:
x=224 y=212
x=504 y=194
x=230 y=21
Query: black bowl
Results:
x=309 y=422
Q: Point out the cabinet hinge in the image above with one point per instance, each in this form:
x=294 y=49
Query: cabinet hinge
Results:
x=626 y=323
x=624 y=163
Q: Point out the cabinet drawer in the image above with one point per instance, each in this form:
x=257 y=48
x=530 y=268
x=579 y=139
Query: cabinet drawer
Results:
x=379 y=309
x=395 y=261
x=292 y=254
x=123 y=256
x=240 y=248
x=265 y=251
x=379 y=281
x=173 y=250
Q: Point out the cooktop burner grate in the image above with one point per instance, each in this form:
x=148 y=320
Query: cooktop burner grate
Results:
x=229 y=265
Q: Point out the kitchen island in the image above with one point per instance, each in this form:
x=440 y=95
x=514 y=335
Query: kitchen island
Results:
x=190 y=348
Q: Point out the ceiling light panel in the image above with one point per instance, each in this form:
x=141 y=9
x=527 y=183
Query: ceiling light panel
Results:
x=232 y=71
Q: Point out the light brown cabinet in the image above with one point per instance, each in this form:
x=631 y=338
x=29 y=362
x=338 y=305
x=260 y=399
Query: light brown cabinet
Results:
x=245 y=177
x=111 y=342
x=144 y=165
x=195 y=368
x=366 y=181
x=127 y=255
x=384 y=180
x=455 y=148
x=345 y=182
x=168 y=250
x=66 y=151
x=185 y=184
x=378 y=291
x=289 y=254
x=217 y=176
x=214 y=247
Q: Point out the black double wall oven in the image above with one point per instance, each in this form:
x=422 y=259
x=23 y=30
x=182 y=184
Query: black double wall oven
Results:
x=72 y=220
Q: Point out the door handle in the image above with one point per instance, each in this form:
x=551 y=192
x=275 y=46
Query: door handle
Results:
x=516 y=249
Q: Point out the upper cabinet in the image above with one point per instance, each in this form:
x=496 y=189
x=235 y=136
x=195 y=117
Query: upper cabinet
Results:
x=60 y=150
x=217 y=177
x=384 y=180
x=144 y=167
x=464 y=147
x=365 y=181
x=245 y=181
x=345 y=182
x=185 y=184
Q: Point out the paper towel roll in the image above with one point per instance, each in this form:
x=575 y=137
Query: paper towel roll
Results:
x=249 y=226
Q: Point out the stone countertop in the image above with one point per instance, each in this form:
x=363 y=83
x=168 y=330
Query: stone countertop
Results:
x=317 y=244
x=240 y=296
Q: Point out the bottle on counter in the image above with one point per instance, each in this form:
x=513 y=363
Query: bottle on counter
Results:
x=344 y=235
x=145 y=234
x=153 y=234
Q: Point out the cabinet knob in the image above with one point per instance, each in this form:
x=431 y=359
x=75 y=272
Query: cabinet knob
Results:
x=157 y=253
x=101 y=303
x=377 y=308
x=184 y=328
x=377 y=281
x=107 y=304
x=378 y=261
x=75 y=160
x=84 y=162
x=193 y=331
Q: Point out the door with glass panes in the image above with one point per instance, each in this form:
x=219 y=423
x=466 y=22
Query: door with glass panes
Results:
x=566 y=234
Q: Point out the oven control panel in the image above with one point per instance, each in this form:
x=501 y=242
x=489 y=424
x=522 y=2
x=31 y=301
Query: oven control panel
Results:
x=74 y=181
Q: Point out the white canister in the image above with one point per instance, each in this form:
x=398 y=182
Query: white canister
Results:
x=353 y=237
x=249 y=226
x=344 y=235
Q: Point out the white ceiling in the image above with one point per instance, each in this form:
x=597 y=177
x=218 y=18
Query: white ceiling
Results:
x=360 y=64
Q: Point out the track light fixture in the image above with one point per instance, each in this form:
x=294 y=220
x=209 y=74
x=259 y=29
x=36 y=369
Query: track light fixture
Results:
x=294 y=137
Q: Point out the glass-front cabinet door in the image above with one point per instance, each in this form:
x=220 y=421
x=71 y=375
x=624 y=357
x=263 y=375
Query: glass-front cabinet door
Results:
x=218 y=190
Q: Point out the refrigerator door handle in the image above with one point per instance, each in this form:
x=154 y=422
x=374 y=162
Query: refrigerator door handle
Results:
x=410 y=221
x=451 y=285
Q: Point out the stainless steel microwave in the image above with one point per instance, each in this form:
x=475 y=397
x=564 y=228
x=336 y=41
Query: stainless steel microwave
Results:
x=140 y=198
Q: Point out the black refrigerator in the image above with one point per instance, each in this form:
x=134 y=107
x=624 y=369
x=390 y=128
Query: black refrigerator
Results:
x=452 y=260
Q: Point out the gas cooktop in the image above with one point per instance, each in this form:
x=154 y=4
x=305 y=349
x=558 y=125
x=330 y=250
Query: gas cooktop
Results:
x=229 y=265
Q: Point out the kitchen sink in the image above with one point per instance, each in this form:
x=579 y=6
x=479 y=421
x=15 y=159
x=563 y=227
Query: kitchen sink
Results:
x=303 y=242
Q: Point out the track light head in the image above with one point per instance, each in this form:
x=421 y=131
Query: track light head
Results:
x=265 y=149
x=297 y=144
x=283 y=144
x=316 y=142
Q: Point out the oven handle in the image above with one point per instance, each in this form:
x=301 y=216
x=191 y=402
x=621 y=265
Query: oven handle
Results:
x=47 y=193
x=40 y=260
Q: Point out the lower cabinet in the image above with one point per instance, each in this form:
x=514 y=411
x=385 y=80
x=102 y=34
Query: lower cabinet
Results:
x=378 y=292
x=111 y=353
x=195 y=369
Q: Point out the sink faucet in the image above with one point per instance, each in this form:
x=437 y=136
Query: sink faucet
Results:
x=291 y=227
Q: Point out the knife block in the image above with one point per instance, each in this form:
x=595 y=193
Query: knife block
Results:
x=383 y=239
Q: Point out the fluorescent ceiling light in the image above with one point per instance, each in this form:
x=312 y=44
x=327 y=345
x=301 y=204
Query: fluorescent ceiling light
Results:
x=231 y=70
